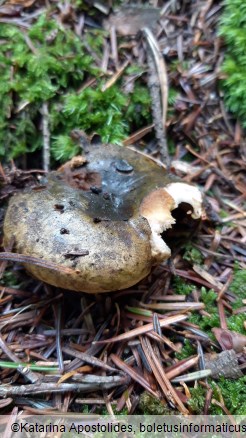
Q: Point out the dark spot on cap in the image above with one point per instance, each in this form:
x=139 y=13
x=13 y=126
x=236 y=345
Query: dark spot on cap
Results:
x=38 y=188
x=59 y=207
x=74 y=254
x=123 y=166
x=64 y=231
x=95 y=190
x=106 y=195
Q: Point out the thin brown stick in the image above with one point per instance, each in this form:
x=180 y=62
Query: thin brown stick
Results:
x=134 y=374
x=48 y=388
x=161 y=376
x=158 y=82
x=88 y=359
x=21 y=258
x=27 y=373
x=144 y=329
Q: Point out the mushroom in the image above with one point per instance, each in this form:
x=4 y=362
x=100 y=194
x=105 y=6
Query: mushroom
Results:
x=102 y=216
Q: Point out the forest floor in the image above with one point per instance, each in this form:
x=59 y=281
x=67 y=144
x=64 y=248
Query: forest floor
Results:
x=51 y=355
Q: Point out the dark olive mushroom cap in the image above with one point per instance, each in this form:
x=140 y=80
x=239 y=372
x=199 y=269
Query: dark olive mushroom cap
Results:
x=100 y=216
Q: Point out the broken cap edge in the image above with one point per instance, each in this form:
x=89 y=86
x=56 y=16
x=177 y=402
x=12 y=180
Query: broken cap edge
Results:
x=157 y=207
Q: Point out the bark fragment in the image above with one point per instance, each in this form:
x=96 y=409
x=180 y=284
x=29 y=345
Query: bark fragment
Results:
x=224 y=364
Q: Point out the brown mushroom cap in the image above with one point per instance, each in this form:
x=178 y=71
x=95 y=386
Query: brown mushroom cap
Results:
x=102 y=217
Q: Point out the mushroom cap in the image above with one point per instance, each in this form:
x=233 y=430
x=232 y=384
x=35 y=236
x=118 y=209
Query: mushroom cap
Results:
x=101 y=216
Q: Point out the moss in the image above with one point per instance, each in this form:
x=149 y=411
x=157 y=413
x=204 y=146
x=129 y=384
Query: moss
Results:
x=206 y=323
x=171 y=146
x=49 y=63
x=85 y=409
x=238 y=285
x=236 y=323
x=64 y=148
x=233 y=30
x=188 y=350
x=9 y=279
x=193 y=255
x=233 y=393
x=197 y=400
x=182 y=287
x=148 y=405
x=209 y=297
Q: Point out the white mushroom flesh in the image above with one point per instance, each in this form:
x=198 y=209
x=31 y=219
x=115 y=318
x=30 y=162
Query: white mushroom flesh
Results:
x=157 y=207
